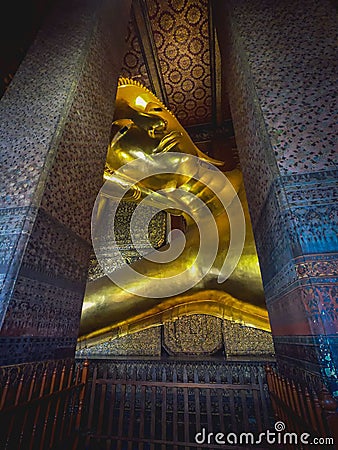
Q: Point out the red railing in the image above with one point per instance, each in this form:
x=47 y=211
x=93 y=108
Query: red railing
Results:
x=41 y=404
x=302 y=409
x=148 y=405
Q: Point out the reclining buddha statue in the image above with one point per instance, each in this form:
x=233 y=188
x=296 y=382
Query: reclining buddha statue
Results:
x=152 y=160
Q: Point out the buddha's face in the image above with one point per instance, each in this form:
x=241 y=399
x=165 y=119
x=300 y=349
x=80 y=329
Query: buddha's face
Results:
x=143 y=127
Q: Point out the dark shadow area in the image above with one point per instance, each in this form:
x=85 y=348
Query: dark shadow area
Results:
x=20 y=22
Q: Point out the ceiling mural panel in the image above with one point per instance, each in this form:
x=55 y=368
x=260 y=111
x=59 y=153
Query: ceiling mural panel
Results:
x=181 y=37
x=134 y=65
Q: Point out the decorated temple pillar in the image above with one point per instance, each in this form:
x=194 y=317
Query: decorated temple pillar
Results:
x=55 y=125
x=282 y=78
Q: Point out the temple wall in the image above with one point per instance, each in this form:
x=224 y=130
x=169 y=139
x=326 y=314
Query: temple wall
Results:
x=55 y=125
x=282 y=81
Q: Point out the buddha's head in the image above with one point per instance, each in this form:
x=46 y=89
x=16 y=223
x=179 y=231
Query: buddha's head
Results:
x=143 y=127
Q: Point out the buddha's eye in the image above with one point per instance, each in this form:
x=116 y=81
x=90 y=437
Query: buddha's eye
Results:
x=153 y=107
x=119 y=129
x=123 y=130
